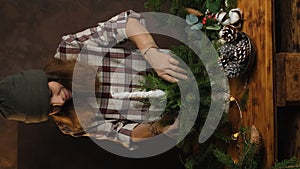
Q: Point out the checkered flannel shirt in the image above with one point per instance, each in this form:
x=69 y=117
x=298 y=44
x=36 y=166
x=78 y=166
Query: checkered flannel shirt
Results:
x=118 y=70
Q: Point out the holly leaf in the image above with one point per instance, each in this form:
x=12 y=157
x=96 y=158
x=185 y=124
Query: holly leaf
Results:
x=213 y=5
x=214 y=27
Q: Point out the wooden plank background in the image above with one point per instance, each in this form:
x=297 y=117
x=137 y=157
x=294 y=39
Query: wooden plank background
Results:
x=288 y=132
x=288 y=60
x=292 y=74
x=258 y=24
x=288 y=23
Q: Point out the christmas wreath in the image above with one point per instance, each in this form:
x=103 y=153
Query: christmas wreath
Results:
x=221 y=21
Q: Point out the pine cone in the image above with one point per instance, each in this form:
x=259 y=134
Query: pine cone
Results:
x=256 y=140
x=243 y=50
x=227 y=51
x=234 y=57
x=228 y=34
x=230 y=68
x=228 y=60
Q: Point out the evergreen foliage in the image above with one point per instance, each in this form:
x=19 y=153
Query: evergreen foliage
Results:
x=211 y=154
x=292 y=163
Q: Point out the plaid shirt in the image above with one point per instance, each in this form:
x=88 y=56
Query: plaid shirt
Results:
x=118 y=70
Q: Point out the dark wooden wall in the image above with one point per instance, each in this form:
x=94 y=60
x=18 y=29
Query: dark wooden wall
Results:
x=287 y=77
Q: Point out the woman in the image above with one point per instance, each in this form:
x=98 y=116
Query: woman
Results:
x=117 y=70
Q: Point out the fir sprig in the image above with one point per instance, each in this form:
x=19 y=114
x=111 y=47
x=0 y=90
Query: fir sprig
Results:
x=292 y=163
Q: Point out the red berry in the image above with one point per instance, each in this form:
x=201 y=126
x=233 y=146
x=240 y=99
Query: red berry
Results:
x=209 y=16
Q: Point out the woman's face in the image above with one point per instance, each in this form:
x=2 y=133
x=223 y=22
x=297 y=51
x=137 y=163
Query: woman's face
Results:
x=59 y=95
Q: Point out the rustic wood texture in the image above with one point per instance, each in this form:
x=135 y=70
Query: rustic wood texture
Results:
x=288 y=61
x=288 y=99
x=280 y=80
x=288 y=25
x=287 y=79
x=259 y=110
x=294 y=148
x=289 y=132
x=292 y=73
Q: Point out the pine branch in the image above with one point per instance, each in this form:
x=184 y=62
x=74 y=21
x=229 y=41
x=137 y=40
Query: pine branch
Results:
x=223 y=158
x=287 y=167
x=288 y=163
x=244 y=100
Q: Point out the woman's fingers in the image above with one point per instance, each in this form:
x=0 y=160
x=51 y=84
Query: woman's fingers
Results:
x=176 y=74
x=173 y=61
x=171 y=76
x=178 y=69
x=168 y=78
x=166 y=66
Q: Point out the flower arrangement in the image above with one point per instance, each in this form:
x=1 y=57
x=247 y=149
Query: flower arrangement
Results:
x=224 y=30
x=221 y=21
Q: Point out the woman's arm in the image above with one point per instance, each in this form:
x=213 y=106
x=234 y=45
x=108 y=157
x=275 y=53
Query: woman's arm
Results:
x=147 y=130
x=140 y=132
x=120 y=27
x=100 y=38
x=165 y=66
x=138 y=34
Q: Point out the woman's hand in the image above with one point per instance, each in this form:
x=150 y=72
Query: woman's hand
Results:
x=172 y=130
x=164 y=65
